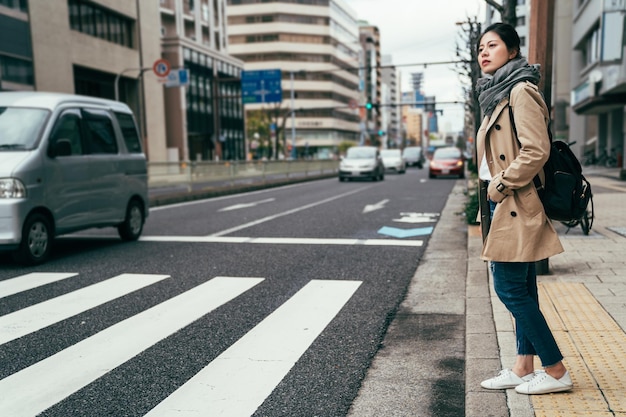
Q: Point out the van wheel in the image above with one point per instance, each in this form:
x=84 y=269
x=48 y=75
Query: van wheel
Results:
x=132 y=226
x=36 y=241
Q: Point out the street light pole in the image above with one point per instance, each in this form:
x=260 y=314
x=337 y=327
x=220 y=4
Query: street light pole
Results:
x=119 y=75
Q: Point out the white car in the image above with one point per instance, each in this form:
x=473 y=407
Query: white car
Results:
x=393 y=160
x=362 y=162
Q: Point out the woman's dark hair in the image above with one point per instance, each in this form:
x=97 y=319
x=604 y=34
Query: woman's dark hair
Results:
x=507 y=33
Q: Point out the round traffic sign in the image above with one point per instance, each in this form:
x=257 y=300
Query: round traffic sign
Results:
x=161 y=67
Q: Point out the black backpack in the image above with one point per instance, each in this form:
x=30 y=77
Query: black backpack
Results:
x=566 y=192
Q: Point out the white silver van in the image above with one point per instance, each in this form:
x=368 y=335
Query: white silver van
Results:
x=67 y=163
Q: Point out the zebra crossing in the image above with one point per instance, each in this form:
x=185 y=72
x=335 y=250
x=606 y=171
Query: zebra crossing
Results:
x=234 y=384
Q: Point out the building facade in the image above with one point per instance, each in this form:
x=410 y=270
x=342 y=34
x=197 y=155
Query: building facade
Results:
x=390 y=111
x=598 y=81
x=205 y=121
x=80 y=47
x=107 y=48
x=316 y=46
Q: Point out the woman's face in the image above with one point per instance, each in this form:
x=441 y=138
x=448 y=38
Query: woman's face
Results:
x=493 y=53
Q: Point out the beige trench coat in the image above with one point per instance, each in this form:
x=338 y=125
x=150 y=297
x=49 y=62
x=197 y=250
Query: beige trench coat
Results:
x=520 y=230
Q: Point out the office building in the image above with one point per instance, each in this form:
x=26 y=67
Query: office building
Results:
x=317 y=48
x=205 y=121
x=108 y=48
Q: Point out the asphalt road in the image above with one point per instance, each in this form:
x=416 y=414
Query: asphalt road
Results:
x=270 y=303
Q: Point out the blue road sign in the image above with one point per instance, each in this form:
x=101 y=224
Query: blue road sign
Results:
x=261 y=86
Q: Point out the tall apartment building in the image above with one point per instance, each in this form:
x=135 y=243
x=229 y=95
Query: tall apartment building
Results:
x=372 y=80
x=205 y=121
x=390 y=112
x=315 y=42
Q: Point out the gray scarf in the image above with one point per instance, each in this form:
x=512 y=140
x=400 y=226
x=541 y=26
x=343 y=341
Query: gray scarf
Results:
x=493 y=88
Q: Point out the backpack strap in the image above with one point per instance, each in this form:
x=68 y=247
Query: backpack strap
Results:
x=536 y=180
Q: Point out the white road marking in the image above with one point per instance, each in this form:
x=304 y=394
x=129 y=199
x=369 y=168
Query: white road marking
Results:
x=239 y=380
x=281 y=240
x=38 y=387
x=246 y=205
x=374 y=207
x=286 y=213
x=30 y=281
x=38 y=316
x=417 y=218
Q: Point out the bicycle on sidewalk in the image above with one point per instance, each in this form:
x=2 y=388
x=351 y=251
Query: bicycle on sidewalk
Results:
x=585 y=221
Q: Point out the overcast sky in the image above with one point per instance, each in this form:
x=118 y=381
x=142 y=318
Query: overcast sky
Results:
x=418 y=31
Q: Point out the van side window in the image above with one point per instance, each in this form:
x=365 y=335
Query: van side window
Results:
x=67 y=128
x=129 y=131
x=101 y=136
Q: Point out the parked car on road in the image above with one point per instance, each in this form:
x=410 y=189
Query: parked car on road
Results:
x=67 y=163
x=362 y=162
x=393 y=160
x=413 y=156
x=447 y=161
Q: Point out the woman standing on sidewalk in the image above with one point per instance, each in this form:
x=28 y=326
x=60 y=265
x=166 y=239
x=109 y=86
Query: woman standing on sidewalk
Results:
x=520 y=233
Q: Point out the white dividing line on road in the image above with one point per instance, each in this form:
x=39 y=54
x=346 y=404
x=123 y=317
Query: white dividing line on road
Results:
x=286 y=213
x=38 y=316
x=282 y=240
x=237 y=382
x=38 y=387
x=30 y=281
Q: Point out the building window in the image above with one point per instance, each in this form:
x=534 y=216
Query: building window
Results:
x=589 y=47
x=16 y=70
x=15 y=4
x=101 y=23
x=612 y=46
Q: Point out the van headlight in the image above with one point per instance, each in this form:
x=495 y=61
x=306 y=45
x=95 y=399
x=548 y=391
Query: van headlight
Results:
x=12 y=188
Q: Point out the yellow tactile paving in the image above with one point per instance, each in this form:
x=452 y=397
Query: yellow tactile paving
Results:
x=594 y=347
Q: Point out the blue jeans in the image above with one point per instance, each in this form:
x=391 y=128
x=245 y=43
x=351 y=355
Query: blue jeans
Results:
x=516 y=286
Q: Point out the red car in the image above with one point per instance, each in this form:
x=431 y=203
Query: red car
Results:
x=447 y=161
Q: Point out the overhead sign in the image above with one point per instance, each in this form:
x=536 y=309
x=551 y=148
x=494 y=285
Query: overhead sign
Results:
x=261 y=86
x=177 y=78
x=161 y=67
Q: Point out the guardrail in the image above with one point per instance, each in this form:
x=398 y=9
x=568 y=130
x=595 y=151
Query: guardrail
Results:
x=205 y=178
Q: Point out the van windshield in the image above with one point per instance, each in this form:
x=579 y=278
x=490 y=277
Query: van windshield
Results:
x=20 y=127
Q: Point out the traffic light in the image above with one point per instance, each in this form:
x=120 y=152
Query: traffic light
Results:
x=381 y=133
x=369 y=106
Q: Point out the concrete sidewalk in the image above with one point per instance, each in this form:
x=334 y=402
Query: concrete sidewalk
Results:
x=584 y=300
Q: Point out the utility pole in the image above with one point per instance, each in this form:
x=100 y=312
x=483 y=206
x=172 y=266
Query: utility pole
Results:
x=540 y=52
x=541 y=43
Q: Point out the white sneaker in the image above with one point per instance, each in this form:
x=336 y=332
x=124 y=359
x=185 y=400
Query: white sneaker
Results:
x=543 y=383
x=505 y=379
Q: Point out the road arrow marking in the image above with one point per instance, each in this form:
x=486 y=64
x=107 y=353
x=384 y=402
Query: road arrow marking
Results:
x=374 y=207
x=417 y=218
x=402 y=233
x=246 y=205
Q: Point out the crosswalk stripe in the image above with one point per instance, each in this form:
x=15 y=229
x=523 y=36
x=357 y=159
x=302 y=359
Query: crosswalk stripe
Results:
x=34 y=389
x=237 y=382
x=30 y=281
x=38 y=316
x=282 y=240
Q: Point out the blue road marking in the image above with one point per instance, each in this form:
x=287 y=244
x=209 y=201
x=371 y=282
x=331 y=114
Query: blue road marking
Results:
x=402 y=233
